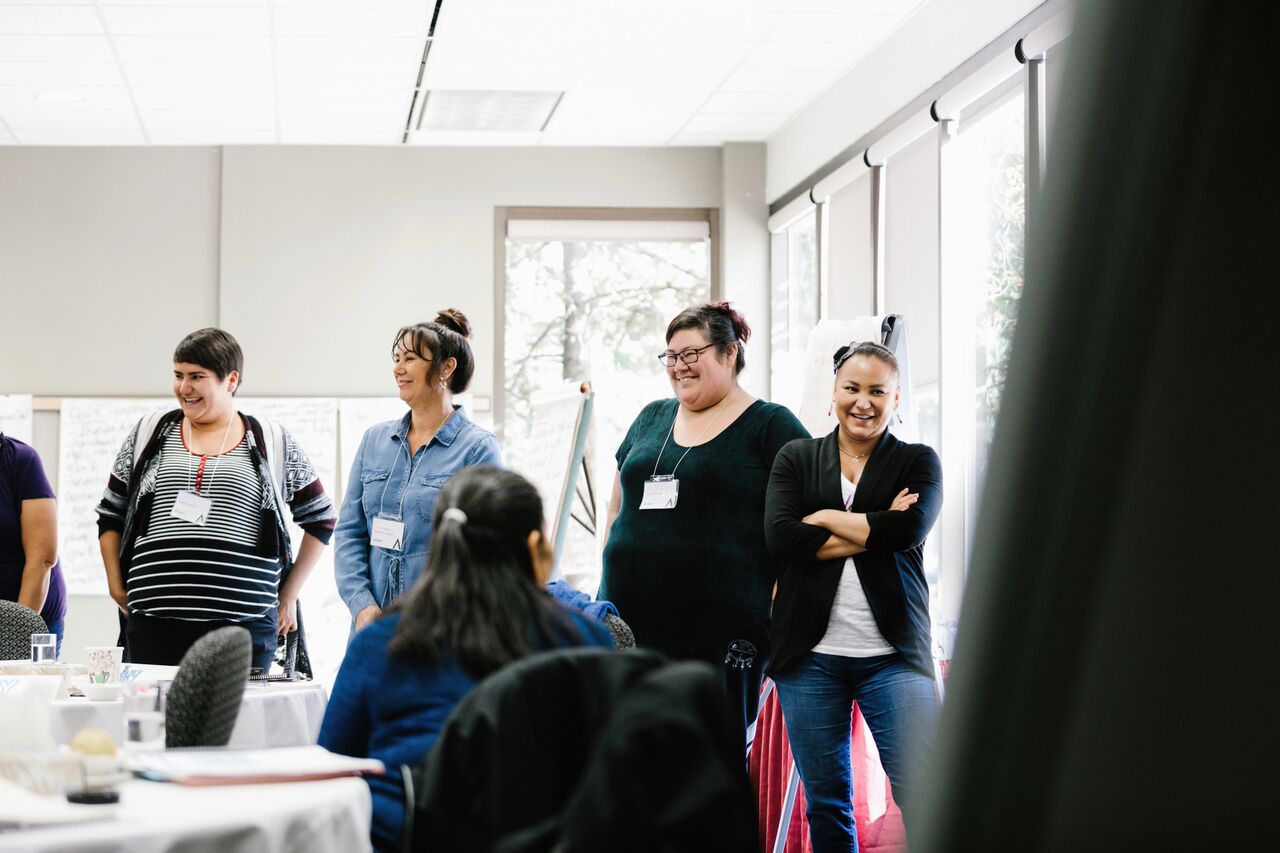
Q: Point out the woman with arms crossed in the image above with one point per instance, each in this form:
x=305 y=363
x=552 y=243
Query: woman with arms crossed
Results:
x=403 y=464
x=847 y=515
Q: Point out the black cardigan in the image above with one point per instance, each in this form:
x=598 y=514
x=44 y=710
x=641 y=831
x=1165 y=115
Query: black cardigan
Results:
x=805 y=479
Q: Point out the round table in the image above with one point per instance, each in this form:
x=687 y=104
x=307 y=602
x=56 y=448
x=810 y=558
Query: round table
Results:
x=271 y=714
x=329 y=816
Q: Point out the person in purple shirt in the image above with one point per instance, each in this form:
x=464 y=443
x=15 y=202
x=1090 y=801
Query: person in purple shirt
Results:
x=480 y=604
x=29 y=570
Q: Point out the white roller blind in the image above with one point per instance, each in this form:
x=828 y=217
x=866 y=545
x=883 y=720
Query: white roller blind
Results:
x=608 y=229
x=849 y=257
x=911 y=249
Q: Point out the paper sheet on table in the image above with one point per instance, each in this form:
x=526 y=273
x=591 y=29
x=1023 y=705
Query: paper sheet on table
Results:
x=249 y=766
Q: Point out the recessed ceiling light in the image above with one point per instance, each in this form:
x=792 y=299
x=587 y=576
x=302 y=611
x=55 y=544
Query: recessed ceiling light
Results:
x=60 y=97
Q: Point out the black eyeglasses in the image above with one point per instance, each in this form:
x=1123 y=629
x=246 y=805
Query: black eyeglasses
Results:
x=688 y=356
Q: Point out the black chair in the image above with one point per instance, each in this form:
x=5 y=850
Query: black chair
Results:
x=17 y=624
x=204 y=701
x=587 y=750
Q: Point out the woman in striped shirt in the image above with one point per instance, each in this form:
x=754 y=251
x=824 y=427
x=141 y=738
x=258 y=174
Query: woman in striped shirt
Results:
x=191 y=525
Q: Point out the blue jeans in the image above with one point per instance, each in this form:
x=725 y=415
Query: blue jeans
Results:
x=817 y=693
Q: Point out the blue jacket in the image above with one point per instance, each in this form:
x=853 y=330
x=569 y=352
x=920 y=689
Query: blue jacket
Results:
x=393 y=710
x=380 y=482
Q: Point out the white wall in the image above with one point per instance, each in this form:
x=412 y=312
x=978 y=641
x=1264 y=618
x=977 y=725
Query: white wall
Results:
x=311 y=256
x=941 y=35
x=745 y=253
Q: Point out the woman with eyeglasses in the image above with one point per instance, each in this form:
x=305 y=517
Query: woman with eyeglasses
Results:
x=847 y=516
x=685 y=559
x=402 y=464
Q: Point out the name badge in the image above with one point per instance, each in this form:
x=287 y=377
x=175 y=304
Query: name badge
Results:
x=660 y=492
x=192 y=507
x=387 y=533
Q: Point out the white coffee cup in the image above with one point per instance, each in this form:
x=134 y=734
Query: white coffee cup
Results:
x=103 y=663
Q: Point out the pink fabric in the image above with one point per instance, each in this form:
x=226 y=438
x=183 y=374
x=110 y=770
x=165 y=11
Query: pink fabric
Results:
x=879 y=822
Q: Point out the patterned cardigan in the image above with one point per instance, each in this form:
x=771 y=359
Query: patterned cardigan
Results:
x=126 y=502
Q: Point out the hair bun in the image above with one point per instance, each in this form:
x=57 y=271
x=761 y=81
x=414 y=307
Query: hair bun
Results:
x=454 y=320
x=740 y=328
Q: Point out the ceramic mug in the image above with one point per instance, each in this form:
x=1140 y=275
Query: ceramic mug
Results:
x=103 y=663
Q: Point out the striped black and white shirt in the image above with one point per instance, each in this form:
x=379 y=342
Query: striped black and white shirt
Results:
x=182 y=570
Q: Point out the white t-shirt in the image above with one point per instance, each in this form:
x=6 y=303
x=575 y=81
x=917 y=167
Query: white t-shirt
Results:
x=851 y=629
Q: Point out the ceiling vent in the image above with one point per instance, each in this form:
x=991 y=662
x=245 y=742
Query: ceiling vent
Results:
x=468 y=110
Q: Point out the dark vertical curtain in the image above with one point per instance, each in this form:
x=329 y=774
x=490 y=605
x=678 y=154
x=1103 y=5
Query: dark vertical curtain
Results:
x=1119 y=635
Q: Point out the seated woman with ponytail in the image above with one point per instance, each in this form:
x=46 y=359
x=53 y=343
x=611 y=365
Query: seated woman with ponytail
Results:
x=480 y=604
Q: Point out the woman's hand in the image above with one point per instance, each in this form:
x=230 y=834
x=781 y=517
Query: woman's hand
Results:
x=367 y=615
x=287 y=616
x=903 y=501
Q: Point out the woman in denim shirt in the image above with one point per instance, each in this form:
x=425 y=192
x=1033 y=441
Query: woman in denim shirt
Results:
x=402 y=465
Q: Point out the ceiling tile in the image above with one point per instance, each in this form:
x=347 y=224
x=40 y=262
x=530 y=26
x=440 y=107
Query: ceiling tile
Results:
x=819 y=55
x=49 y=20
x=343 y=99
x=187 y=20
x=92 y=98
x=530 y=79
x=193 y=49
x=614 y=53
x=198 y=74
x=339 y=136
x=779 y=80
x=647 y=124
x=203 y=98
x=631 y=102
x=459 y=20
x=353 y=51
x=629 y=139
x=55 y=49
x=664 y=78
x=260 y=120
x=59 y=74
x=864 y=29
x=507 y=52
x=744 y=123
x=655 y=27
x=376 y=119
x=126 y=136
x=756 y=102
x=362 y=19
x=70 y=119
x=696 y=139
x=319 y=74
x=211 y=137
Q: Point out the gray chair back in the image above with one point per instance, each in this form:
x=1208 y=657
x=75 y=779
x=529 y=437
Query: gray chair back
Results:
x=17 y=624
x=623 y=639
x=204 y=701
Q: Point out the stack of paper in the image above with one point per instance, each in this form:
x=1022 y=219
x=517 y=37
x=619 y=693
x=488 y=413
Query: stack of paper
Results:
x=248 y=766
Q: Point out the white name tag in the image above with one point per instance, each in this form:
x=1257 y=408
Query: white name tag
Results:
x=660 y=492
x=387 y=533
x=192 y=507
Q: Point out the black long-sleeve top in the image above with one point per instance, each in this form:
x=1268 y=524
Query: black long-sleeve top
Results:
x=806 y=478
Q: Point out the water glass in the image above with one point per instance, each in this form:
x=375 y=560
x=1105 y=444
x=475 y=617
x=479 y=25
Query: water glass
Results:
x=44 y=648
x=144 y=718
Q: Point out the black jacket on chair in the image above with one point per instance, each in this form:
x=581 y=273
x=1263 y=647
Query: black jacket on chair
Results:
x=588 y=750
x=805 y=479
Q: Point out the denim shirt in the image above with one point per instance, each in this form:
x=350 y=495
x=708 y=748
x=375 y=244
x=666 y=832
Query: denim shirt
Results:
x=379 y=476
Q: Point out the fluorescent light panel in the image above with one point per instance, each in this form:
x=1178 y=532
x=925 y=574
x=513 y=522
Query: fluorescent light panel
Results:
x=454 y=109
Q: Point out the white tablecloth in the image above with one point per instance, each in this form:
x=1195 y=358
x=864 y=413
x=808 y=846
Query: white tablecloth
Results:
x=271 y=714
x=330 y=816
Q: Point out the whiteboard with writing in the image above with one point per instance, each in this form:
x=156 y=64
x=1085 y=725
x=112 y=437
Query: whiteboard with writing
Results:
x=90 y=434
x=355 y=416
x=15 y=416
x=313 y=423
x=548 y=454
x=819 y=379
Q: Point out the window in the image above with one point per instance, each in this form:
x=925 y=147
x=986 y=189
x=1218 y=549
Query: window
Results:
x=590 y=300
x=794 y=310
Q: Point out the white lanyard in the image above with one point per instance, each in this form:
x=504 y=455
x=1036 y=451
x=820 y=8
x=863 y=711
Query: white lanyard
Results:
x=697 y=442
x=405 y=491
x=217 y=460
